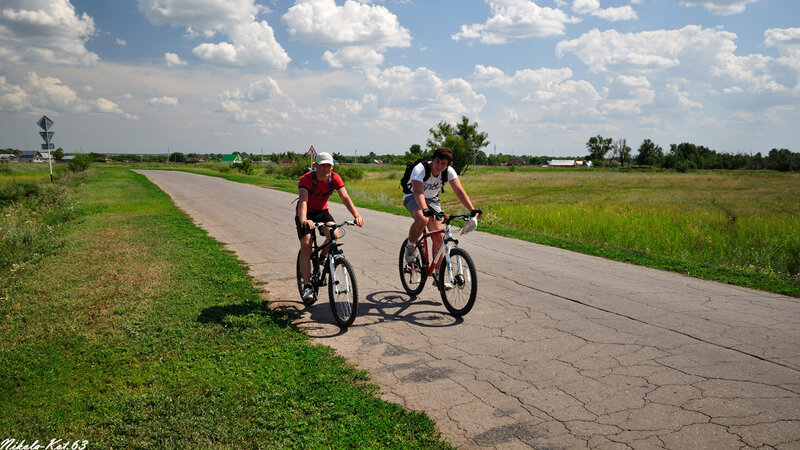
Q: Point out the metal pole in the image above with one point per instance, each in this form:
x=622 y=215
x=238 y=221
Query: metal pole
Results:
x=49 y=157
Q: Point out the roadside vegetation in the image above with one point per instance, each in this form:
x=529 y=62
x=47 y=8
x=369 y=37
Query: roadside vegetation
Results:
x=127 y=326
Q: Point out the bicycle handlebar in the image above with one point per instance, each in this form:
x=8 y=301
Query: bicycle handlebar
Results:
x=441 y=216
x=335 y=225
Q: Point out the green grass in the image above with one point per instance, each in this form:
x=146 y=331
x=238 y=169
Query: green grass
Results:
x=738 y=227
x=135 y=329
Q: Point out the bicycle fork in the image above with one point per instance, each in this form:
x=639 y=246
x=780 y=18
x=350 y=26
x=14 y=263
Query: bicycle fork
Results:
x=335 y=282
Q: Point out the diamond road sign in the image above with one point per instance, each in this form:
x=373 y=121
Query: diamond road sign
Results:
x=45 y=123
x=46 y=135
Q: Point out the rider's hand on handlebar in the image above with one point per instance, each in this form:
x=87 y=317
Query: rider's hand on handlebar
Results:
x=308 y=224
x=427 y=212
x=476 y=212
x=359 y=221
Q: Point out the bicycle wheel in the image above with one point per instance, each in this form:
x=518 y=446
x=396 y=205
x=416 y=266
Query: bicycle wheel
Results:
x=343 y=292
x=413 y=275
x=461 y=273
x=314 y=288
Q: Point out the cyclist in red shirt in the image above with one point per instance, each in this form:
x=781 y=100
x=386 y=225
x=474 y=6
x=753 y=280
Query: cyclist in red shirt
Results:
x=312 y=207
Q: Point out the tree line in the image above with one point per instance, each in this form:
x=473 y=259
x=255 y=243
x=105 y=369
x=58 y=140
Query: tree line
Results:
x=605 y=152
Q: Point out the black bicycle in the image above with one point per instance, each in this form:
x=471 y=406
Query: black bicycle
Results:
x=334 y=271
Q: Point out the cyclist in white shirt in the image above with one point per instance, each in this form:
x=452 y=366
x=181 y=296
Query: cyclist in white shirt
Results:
x=422 y=193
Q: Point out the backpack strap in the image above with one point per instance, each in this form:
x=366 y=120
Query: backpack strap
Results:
x=314 y=184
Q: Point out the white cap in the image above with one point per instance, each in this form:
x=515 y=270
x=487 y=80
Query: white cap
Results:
x=324 y=158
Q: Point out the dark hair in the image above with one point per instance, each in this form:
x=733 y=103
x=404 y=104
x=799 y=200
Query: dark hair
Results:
x=443 y=153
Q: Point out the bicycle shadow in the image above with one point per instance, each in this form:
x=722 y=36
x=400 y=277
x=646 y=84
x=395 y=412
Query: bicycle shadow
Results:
x=384 y=306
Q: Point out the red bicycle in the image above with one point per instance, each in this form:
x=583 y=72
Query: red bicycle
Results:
x=457 y=278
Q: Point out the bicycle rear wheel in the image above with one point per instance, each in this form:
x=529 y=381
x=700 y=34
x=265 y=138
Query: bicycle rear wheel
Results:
x=343 y=292
x=313 y=298
x=461 y=273
x=413 y=275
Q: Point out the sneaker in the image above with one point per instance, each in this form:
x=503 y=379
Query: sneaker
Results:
x=308 y=293
x=447 y=285
x=410 y=254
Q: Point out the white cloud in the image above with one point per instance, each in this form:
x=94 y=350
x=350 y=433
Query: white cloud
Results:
x=240 y=105
x=252 y=44
x=49 y=93
x=163 y=101
x=516 y=19
x=692 y=53
x=45 y=31
x=359 y=32
x=548 y=89
x=207 y=16
x=121 y=42
x=616 y=14
x=585 y=6
x=173 y=60
x=720 y=7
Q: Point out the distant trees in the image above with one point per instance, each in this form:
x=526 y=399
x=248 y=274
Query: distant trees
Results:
x=649 y=153
x=463 y=139
x=621 y=150
x=598 y=147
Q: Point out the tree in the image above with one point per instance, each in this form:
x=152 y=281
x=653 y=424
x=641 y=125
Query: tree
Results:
x=58 y=154
x=415 y=149
x=176 y=157
x=598 y=147
x=621 y=150
x=649 y=153
x=472 y=141
x=80 y=162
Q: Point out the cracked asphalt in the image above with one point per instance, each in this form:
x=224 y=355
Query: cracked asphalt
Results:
x=561 y=350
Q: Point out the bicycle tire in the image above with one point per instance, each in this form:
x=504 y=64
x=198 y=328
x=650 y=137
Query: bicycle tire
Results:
x=461 y=297
x=413 y=275
x=313 y=298
x=344 y=305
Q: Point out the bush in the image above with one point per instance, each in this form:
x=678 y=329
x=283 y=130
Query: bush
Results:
x=14 y=192
x=349 y=173
x=80 y=162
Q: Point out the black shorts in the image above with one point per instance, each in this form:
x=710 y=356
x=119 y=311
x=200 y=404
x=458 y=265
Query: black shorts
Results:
x=319 y=216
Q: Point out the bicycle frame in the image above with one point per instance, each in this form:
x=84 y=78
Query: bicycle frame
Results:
x=316 y=250
x=444 y=248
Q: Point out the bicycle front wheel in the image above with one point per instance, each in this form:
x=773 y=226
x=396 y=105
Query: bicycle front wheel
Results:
x=313 y=298
x=458 y=283
x=343 y=292
x=413 y=274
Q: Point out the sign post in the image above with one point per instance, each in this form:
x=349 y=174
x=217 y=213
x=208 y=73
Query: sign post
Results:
x=311 y=154
x=45 y=123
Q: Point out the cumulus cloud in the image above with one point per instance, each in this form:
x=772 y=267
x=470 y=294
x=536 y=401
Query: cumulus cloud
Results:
x=720 y=7
x=121 y=42
x=249 y=42
x=548 y=89
x=252 y=44
x=205 y=16
x=45 y=31
x=163 y=101
x=173 y=60
x=49 y=93
x=693 y=53
x=241 y=105
x=516 y=19
x=611 y=14
x=359 y=33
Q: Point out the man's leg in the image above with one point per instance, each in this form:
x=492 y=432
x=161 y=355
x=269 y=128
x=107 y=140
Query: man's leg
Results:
x=305 y=258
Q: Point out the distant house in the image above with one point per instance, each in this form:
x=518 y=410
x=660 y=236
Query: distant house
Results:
x=565 y=163
x=7 y=157
x=194 y=159
x=232 y=158
x=34 y=156
x=68 y=158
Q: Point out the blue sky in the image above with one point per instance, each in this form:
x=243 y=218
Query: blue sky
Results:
x=540 y=77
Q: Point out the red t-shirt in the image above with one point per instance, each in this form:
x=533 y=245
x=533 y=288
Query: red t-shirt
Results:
x=319 y=202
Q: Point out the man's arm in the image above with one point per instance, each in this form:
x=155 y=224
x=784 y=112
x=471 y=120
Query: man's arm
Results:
x=461 y=195
x=348 y=203
x=418 y=190
x=302 y=207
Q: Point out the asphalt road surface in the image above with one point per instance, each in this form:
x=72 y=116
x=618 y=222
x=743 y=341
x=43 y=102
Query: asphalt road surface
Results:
x=561 y=350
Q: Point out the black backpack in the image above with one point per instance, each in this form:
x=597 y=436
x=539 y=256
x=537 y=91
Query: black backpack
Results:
x=410 y=167
x=313 y=190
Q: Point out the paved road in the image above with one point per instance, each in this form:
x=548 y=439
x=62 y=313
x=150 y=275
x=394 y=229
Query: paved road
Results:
x=562 y=350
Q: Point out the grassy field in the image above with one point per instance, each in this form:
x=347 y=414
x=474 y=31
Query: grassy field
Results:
x=129 y=327
x=738 y=227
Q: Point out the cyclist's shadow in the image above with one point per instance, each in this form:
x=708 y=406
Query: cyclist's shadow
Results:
x=383 y=306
